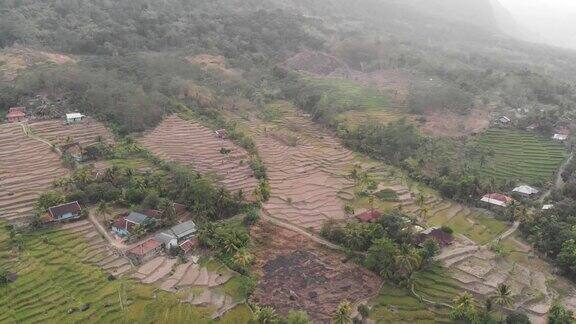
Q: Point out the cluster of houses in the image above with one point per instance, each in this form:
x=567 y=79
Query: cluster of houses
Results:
x=19 y=114
x=560 y=134
x=182 y=236
x=502 y=200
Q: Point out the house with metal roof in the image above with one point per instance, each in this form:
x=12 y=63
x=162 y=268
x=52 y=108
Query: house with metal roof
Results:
x=66 y=211
x=497 y=199
x=526 y=191
x=177 y=234
x=72 y=118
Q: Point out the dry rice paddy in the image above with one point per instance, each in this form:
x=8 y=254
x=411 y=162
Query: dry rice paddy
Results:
x=58 y=132
x=306 y=176
x=190 y=143
x=27 y=168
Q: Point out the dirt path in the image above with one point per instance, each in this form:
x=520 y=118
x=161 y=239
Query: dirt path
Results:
x=559 y=182
x=301 y=231
x=104 y=232
x=507 y=233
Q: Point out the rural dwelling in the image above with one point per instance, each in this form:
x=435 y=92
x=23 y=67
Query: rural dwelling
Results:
x=137 y=219
x=189 y=245
x=65 y=212
x=119 y=227
x=442 y=238
x=526 y=191
x=74 y=150
x=72 y=118
x=547 y=207
x=369 y=216
x=177 y=234
x=153 y=213
x=144 y=251
x=497 y=199
x=503 y=120
x=16 y=114
x=221 y=134
x=560 y=137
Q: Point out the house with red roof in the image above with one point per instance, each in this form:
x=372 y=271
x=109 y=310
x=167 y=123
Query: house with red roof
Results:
x=497 y=199
x=144 y=251
x=369 y=216
x=16 y=114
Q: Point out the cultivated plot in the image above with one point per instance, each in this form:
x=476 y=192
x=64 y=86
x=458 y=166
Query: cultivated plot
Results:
x=190 y=143
x=58 y=132
x=27 y=168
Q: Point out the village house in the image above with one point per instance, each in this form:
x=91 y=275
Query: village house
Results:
x=72 y=118
x=177 y=234
x=144 y=251
x=369 y=216
x=123 y=226
x=561 y=134
x=442 y=238
x=16 y=114
x=74 y=150
x=526 y=191
x=221 y=134
x=68 y=211
x=496 y=199
x=503 y=121
x=547 y=207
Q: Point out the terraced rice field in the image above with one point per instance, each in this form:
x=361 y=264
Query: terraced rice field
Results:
x=61 y=270
x=27 y=168
x=398 y=305
x=58 y=132
x=534 y=286
x=190 y=143
x=520 y=156
x=356 y=103
x=308 y=180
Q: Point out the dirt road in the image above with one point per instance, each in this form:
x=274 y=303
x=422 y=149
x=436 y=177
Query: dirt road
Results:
x=92 y=217
x=559 y=182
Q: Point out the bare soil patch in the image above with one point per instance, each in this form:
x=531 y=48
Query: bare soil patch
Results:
x=192 y=144
x=215 y=63
x=299 y=274
x=454 y=125
x=27 y=168
x=58 y=132
x=306 y=173
x=19 y=58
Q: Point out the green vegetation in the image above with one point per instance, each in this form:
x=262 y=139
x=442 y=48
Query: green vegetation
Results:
x=54 y=283
x=476 y=226
x=519 y=156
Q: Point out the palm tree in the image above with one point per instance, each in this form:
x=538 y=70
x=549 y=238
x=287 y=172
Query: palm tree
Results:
x=265 y=315
x=407 y=261
x=243 y=258
x=342 y=314
x=297 y=317
x=503 y=296
x=464 y=308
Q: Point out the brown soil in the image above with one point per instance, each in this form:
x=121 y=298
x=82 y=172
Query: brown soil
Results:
x=316 y=63
x=296 y=273
x=215 y=63
x=453 y=125
x=307 y=175
x=27 y=168
x=58 y=132
x=18 y=58
x=192 y=144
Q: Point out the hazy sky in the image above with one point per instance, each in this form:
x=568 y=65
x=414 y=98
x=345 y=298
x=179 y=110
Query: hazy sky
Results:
x=553 y=20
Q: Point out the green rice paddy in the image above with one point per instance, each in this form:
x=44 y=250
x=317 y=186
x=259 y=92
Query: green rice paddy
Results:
x=520 y=156
x=54 y=284
x=398 y=305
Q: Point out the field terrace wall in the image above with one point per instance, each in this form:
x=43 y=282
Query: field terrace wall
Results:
x=192 y=144
x=27 y=168
x=308 y=182
x=58 y=132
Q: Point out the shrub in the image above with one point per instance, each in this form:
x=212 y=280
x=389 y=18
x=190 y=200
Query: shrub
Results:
x=252 y=217
x=446 y=229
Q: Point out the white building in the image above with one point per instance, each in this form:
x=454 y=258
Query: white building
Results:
x=526 y=191
x=74 y=118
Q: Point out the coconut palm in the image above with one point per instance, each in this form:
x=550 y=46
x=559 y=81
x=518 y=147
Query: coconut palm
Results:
x=342 y=314
x=243 y=258
x=464 y=308
x=503 y=296
x=407 y=260
x=103 y=209
x=265 y=315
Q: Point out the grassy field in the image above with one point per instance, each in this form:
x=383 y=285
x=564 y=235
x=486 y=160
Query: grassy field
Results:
x=398 y=305
x=476 y=226
x=54 y=283
x=520 y=156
